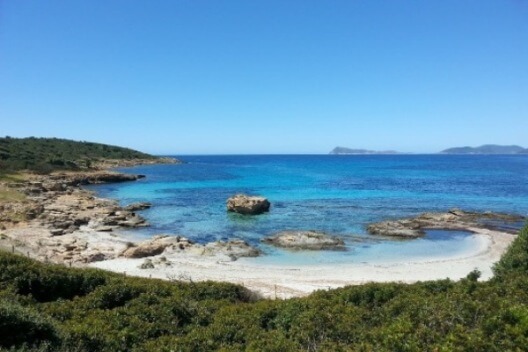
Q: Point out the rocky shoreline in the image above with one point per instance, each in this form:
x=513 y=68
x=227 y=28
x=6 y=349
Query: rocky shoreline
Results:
x=61 y=222
x=454 y=219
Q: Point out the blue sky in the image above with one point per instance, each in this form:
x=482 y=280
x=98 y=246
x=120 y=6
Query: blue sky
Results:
x=193 y=77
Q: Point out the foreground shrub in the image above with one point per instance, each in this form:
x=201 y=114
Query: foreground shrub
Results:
x=57 y=308
x=21 y=326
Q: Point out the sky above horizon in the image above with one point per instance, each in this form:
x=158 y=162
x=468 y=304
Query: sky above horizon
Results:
x=266 y=76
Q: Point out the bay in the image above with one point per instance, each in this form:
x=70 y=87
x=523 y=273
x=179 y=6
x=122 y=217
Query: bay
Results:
x=337 y=194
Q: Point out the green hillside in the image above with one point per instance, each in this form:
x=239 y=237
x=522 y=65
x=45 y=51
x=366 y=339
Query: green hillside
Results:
x=43 y=155
x=48 y=307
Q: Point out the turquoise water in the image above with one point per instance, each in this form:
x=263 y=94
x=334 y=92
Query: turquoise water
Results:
x=337 y=194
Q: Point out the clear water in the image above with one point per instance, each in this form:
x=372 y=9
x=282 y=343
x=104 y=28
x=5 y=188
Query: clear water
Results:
x=337 y=194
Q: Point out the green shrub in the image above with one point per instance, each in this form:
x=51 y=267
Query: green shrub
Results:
x=70 y=309
x=21 y=326
x=516 y=258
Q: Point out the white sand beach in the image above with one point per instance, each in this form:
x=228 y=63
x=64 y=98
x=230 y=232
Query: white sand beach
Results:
x=281 y=282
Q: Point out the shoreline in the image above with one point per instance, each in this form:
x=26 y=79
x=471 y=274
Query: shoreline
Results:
x=94 y=238
x=286 y=281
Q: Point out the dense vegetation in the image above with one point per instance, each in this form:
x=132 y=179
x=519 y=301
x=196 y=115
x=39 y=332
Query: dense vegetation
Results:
x=44 y=155
x=49 y=307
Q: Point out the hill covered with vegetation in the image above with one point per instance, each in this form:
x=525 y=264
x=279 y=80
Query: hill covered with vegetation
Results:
x=49 y=307
x=43 y=155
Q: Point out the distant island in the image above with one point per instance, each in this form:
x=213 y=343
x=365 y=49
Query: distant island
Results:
x=487 y=149
x=343 y=150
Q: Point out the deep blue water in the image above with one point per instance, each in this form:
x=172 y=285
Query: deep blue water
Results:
x=338 y=194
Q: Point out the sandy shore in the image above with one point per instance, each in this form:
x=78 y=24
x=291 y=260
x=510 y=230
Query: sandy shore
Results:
x=69 y=225
x=291 y=281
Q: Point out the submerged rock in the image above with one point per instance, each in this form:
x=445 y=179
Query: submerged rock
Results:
x=310 y=240
x=248 y=205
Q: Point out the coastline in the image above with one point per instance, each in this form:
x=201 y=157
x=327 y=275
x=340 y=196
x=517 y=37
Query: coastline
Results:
x=91 y=242
x=286 y=281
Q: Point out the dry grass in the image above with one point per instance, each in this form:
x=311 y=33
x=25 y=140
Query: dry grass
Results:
x=8 y=178
x=8 y=195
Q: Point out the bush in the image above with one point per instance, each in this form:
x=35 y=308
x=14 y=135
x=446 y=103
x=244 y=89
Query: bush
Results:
x=21 y=326
x=68 y=309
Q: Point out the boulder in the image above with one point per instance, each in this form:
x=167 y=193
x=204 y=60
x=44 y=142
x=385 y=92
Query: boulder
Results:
x=310 y=240
x=56 y=232
x=132 y=221
x=234 y=249
x=155 y=246
x=401 y=228
x=247 y=205
x=94 y=257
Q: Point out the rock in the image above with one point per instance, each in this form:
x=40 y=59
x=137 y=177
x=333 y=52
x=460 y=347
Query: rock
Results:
x=133 y=221
x=34 y=212
x=138 y=206
x=310 y=240
x=82 y=220
x=55 y=186
x=104 y=228
x=56 y=232
x=454 y=219
x=234 y=249
x=395 y=229
x=147 y=264
x=94 y=257
x=154 y=246
x=248 y=205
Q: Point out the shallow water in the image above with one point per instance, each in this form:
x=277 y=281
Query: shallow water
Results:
x=336 y=194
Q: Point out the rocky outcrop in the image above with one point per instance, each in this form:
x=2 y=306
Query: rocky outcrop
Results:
x=234 y=249
x=169 y=245
x=155 y=246
x=247 y=205
x=87 y=178
x=309 y=240
x=398 y=228
x=454 y=219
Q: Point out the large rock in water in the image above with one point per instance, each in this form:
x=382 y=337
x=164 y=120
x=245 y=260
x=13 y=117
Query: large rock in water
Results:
x=305 y=240
x=249 y=205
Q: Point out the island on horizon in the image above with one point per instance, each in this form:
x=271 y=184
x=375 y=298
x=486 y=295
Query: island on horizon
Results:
x=487 y=149
x=346 y=151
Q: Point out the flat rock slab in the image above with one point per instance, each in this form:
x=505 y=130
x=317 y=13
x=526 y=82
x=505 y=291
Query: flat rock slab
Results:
x=155 y=246
x=247 y=205
x=454 y=219
x=234 y=249
x=305 y=240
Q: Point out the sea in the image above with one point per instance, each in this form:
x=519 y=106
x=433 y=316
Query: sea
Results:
x=336 y=194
